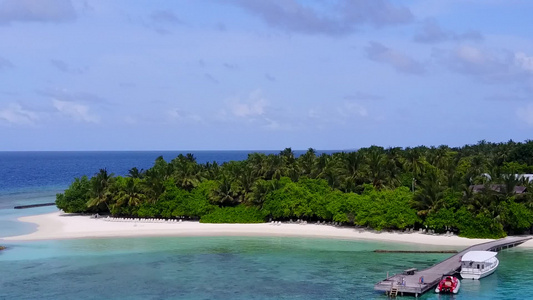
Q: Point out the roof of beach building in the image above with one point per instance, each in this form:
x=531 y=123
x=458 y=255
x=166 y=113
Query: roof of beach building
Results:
x=498 y=188
x=478 y=256
x=529 y=177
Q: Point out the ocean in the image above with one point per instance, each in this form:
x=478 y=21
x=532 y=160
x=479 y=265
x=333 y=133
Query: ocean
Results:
x=198 y=267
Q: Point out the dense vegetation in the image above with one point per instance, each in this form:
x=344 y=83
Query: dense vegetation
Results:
x=391 y=188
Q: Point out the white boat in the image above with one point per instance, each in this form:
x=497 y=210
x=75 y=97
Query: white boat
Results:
x=478 y=264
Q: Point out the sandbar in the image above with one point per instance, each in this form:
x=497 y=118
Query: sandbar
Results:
x=59 y=225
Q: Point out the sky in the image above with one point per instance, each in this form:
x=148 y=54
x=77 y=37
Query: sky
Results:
x=263 y=75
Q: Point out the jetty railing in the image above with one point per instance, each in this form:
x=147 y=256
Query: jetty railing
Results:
x=418 y=282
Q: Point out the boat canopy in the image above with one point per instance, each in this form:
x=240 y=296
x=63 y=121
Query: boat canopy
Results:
x=478 y=256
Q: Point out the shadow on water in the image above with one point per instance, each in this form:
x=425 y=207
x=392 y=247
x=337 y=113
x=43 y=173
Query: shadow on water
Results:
x=470 y=286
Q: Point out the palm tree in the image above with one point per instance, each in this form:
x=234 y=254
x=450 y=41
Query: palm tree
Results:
x=185 y=171
x=161 y=169
x=100 y=194
x=210 y=171
x=131 y=194
x=352 y=166
x=258 y=161
x=437 y=156
x=528 y=196
x=502 y=154
x=429 y=197
x=321 y=163
x=510 y=182
x=394 y=166
x=224 y=194
x=486 y=201
x=243 y=176
x=453 y=178
x=414 y=161
x=290 y=166
x=477 y=169
x=307 y=163
x=377 y=162
x=246 y=179
x=190 y=158
x=154 y=184
x=135 y=173
x=287 y=154
x=260 y=189
x=187 y=174
x=331 y=173
x=274 y=167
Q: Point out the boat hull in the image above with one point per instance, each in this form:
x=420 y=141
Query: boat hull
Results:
x=452 y=288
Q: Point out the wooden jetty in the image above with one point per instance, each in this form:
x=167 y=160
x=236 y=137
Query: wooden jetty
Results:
x=415 y=251
x=415 y=282
x=34 y=205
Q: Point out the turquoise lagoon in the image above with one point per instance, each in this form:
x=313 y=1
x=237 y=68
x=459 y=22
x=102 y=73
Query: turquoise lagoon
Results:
x=199 y=267
x=230 y=268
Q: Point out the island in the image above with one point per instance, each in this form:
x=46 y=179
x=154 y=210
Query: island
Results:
x=477 y=191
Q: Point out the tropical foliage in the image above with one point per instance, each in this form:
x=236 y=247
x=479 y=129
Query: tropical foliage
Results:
x=394 y=188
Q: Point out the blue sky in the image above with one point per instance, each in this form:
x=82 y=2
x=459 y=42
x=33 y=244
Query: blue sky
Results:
x=250 y=74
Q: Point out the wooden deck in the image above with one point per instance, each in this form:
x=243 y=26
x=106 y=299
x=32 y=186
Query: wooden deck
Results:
x=410 y=282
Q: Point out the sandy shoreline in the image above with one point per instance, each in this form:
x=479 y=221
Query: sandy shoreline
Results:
x=58 y=225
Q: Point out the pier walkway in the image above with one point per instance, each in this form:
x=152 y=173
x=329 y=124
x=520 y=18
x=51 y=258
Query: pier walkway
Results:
x=410 y=281
x=34 y=205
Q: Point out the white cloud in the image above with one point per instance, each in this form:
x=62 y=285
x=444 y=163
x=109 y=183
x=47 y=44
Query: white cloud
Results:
x=251 y=109
x=471 y=55
x=161 y=21
x=36 y=11
x=506 y=97
x=65 y=67
x=489 y=65
x=183 y=116
x=165 y=16
x=350 y=109
x=363 y=96
x=255 y=110
x=399 y=61
x=523 y=61
x=4 y=63
x=75 y=111
x=330 y=17
x=69 y=96
x=130 y=120
x=336 y=115
x=526 y=114
x=174 y=114
x=274 y=125
x=16 y=114
x=313 y=113
x=254 y=106
x=431 y=33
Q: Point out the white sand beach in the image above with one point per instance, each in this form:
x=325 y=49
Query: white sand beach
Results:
x=58 y=225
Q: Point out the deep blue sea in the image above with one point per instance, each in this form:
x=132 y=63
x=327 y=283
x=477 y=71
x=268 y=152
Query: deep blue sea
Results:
x=198 y=267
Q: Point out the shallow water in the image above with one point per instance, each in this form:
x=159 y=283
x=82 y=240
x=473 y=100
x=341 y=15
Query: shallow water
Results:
x=230 y=268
